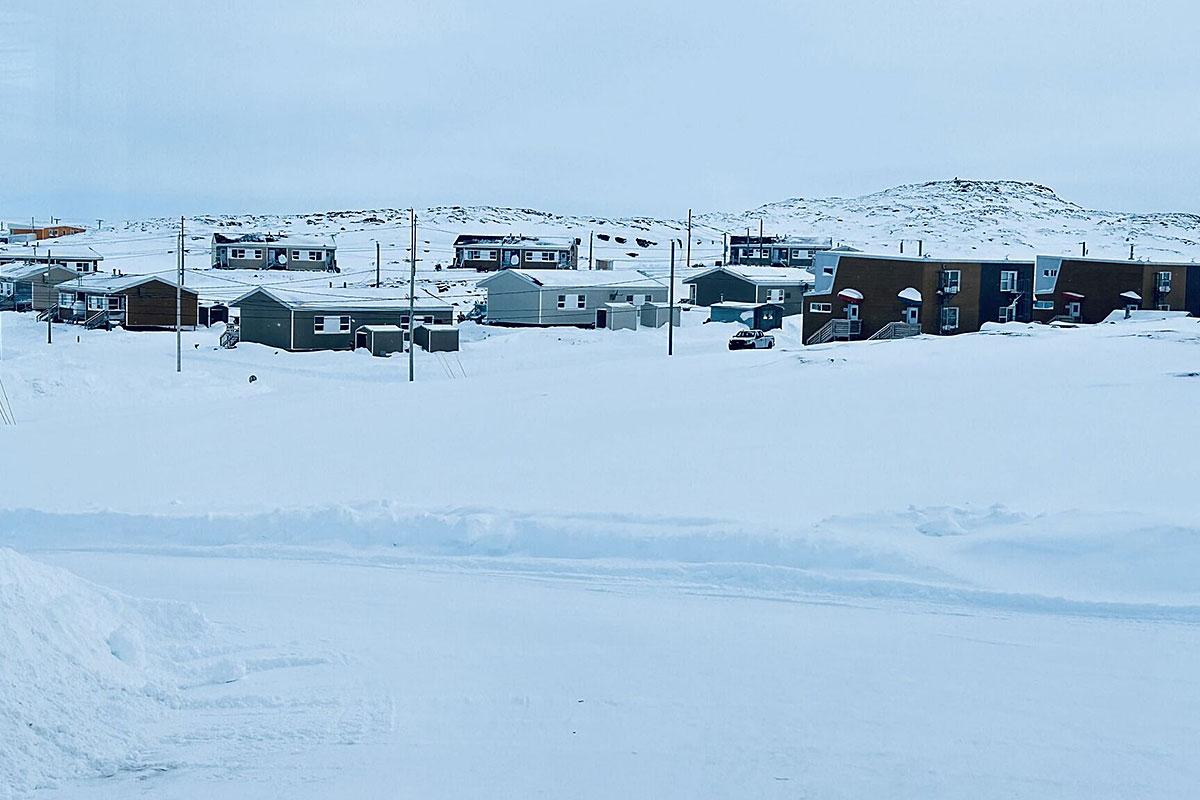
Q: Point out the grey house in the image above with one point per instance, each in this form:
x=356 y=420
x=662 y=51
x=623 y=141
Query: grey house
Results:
x=80 y=262
x=778 y=251
x=492 y=253
x=272 y=251
x=328 y=319
x=566 y=297
x=31 y=287
x=781 y=286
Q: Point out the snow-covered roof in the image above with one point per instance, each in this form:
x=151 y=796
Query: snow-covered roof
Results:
x=381 y=328
x=477 y=241
x=22 y=270
x=111 y=284
x=850 y=294
x=738 y=305
x=261 y=238
x=581 y=279
x=429 y=326
x=1132 y=296
x=761 y=276
x=365 y=299
x=289 y=242
x=910 y=294
x=54 y=253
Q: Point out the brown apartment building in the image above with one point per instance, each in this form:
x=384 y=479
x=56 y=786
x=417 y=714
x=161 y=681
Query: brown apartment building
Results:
x=859 y=296
x=1089 y=289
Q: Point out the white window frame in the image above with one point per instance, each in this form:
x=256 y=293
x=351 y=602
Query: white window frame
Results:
x=66 y=298
x=572 y=302
x=316 y=255
x=946 y=325
x=1164 y=306
x=952 y=281
x=1043 y=305
x=1008 y=280
x=7 y=288
x=321 y=322
x=1008 y=314
x=1163 y=285
x=775 y=295
x=820 y=308
x=237 y=253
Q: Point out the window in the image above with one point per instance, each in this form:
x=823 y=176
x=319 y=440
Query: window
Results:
x=572 y=301
x=797 y=254
x=951 y=280
x=237 y=252
x=692 y=292
x=949 y=318
x=638 y=299
x=1008 y=314
x=6 y=288
x=473 y=255
x=774 y=295
x=1049 y=273
x=1163 y=281
x=295 y=255
x=313 y=255
x=827 y=271
x=95 y=302
x=337 y=324
x=1043 y=305
x=66 y=298
x=821 y=308
x=1008 y=280
x=549 y=255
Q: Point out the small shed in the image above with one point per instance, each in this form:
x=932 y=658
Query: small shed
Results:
x=763 y=316
x=655 y=315
x=211 y=313
x=436 y=338
x=617 y=316
x=381 y=340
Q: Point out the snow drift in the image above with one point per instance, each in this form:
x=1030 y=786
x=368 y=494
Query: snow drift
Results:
x=82 y=670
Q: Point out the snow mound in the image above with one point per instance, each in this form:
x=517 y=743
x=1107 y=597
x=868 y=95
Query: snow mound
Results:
x=82 y=670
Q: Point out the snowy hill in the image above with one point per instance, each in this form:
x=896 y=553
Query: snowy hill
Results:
x=957 y=218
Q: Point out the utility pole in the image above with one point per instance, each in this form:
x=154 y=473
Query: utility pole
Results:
x=1083 y=249
x=591 y=249
x=671 y=305
x=901 y=247
x=179 y=306
x=98 y=223
x=1131 y=252
x=724 y=248
x=49 y=316
x=412 y=289
x=921 y=247
x=376 y=265
x=760 y=230
x=688 y=251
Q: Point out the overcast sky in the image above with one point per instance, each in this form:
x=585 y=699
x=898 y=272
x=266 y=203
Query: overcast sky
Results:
x=622 y=107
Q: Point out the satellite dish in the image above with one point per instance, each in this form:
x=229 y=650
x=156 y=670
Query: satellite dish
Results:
x=514 y=259
x=281 y=258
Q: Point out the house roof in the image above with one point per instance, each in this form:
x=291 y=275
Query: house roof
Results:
x=761 y=276
x=25 y=270
x=112 y=284
x=581 y=279
x=810 y=242
x=55 y=254
x=361 y=299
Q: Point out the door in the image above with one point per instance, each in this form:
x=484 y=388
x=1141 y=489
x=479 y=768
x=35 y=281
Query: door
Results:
x=912 y=315
x=852 y=311
x=601 y=317
x=1074 y=310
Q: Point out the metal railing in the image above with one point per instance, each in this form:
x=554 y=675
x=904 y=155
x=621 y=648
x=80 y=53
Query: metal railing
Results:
x=97 y=320
x=231 y=336
x=49 y=313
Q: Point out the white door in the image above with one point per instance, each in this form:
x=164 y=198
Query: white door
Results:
x=852 y=311
x=1074 y=310
x=912 y=315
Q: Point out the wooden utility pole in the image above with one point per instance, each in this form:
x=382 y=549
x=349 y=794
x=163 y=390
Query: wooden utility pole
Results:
x=1131 y=252
x=376 y=265
x=591 y=250
x=724 y=248
x=671 y=305
x=688 y=250
x=412 y=290
x=49 y=316
x=178 y=306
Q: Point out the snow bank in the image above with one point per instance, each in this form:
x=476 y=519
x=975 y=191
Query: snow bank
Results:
x=82 y=670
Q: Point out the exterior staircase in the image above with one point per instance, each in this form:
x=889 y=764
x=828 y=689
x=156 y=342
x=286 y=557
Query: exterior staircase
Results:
x=50 y=313
x=231 y=336
x=836 y=329
x=98 y=320
x=895 y=330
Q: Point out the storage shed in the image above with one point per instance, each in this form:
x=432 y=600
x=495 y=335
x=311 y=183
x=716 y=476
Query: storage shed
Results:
x=381 y=340
x=436 y=338
x=763 y=316
x=655 y=315
x=617 y=316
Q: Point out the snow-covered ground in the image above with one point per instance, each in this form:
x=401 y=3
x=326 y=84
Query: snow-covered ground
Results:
x=562 y=563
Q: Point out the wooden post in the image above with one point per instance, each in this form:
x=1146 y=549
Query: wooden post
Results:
x=412 y=288
x=671 y=305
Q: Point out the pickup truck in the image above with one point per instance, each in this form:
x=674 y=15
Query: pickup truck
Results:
x=751 y=340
